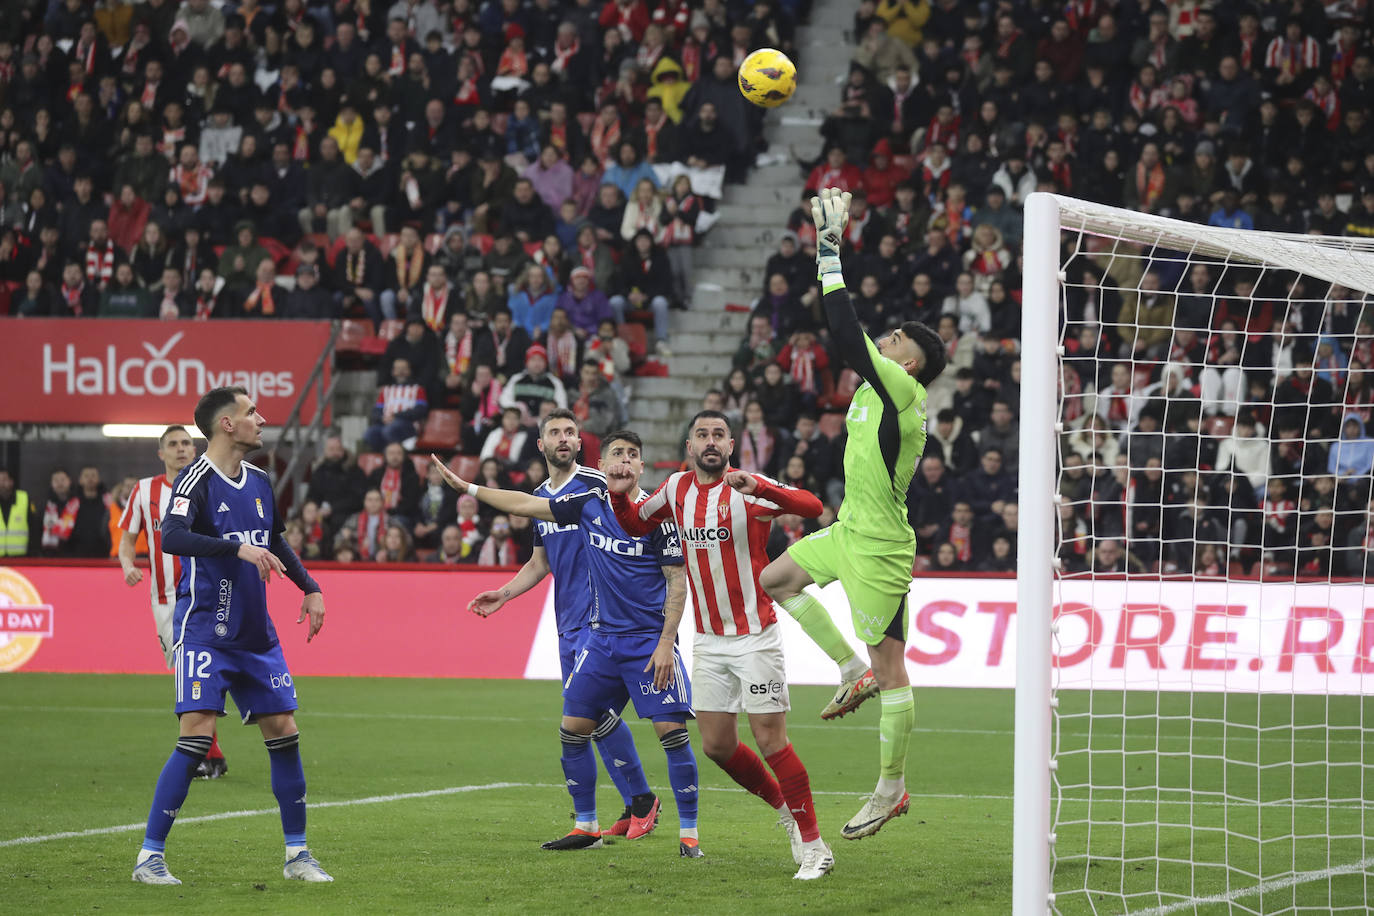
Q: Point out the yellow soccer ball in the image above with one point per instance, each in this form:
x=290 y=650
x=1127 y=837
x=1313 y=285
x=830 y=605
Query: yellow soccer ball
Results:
x=767 y=78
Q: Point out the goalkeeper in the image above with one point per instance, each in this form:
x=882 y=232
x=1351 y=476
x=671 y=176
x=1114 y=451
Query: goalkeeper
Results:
x=870 y=548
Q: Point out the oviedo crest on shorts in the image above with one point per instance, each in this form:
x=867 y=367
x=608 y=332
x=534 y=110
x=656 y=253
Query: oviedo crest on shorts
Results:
x=25 y=621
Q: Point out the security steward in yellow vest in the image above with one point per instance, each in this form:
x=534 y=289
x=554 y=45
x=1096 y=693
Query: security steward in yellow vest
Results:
x=19 y=527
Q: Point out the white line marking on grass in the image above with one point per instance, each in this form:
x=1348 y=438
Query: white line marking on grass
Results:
x=230 y=815
x=1264 y=887
x=486 y=787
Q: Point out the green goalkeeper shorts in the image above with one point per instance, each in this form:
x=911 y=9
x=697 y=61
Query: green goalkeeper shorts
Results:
x=875 y=576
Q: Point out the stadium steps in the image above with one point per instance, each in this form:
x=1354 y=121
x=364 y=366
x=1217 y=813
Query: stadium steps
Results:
x=728 y=268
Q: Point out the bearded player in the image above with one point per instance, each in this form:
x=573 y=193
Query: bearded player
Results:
x=871 y=548
x=559 y=549
x=724 y=516
x=144 y=512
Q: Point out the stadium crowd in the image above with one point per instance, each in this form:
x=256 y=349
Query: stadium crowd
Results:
x=503 y=184
x=1244 y=116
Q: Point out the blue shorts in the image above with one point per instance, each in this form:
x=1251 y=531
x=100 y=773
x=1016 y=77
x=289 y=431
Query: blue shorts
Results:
x=259 y=681
x=609 y=670
x=569 y=644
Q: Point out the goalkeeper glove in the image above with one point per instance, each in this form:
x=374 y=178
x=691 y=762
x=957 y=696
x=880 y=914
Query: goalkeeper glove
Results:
x=830 y=213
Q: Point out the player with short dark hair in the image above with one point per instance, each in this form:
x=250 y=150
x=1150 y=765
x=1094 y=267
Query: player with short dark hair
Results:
x=870 y=548
x=560 y=549
x=145 y=512
x=723 y=516
x=223 y=523
x=630 y=650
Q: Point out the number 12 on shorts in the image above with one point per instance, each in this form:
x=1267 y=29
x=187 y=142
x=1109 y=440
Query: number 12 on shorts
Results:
x=197 y=663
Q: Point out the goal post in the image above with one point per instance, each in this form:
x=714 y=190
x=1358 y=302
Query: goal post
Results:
x=1194 y=725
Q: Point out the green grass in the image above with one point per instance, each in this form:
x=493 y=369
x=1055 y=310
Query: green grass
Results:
x=83 y=752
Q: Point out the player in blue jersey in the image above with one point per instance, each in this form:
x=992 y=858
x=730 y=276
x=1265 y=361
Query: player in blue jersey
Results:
x=223 y=523
x=629 y=653
x=559 y=549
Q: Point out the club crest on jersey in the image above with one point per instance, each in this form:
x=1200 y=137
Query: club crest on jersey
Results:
x=723 y=512
x=259 y=502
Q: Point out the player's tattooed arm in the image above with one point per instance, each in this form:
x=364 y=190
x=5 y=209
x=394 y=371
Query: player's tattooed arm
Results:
x=674 y=603
x=484 y=604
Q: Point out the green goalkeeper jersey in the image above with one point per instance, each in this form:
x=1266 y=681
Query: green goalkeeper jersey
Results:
x=887 y=435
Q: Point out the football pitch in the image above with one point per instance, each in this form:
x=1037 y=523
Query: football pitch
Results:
x=434 y=795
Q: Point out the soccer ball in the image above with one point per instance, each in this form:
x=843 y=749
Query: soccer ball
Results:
x=767 y=78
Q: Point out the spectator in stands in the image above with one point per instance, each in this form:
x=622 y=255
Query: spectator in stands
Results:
x=1352 y=456
x=308 y=301
x=597 y=406
x=397 y=545
x=503 y=344
x=124 y=298
x=451 y=548
x=498 y=549
x=59 y=514
x=647 y=284
x=401 y=406
x=399 y=484
x=952 y=444
x=806 y=441
x=362 y=536
x=777 y=396
x=532 y=300
x=757 y=447
x=987 y=489
x=509 y=443
x=585 y=305
x=534 y=384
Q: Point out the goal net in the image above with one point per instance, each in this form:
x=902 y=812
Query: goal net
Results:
x=1196 y=644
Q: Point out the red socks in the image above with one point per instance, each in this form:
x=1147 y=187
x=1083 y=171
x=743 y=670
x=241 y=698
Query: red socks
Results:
x=796 y=786
x=745 y=768
x=215 y=752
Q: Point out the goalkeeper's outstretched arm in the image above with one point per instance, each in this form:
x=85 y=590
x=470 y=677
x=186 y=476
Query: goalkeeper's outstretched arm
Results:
x=830 y=211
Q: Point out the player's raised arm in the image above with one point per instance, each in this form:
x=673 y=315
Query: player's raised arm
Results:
x=637 y=518
x=830 y=211
x=772 y=498
x=512 y=502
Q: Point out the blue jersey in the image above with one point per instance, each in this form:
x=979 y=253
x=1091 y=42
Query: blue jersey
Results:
x=628 y=588
x=221 y=600
x=572 y=586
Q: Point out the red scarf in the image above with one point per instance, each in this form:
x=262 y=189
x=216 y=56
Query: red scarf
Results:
x=368 y=549
x=72 y=295
x=605 y=139
x=961 y=537
x=563 y=354
x=432 y=308
x=408 y=270
x=512 y=63
x=391 y=487
x=205 y=304
x=492 y=555
x=562 y=57
x=58 y=522
x=261 y=298
x=100 y=262
x=804 y=370
x=1149 y=185
x=458 y=353
x=149 y=95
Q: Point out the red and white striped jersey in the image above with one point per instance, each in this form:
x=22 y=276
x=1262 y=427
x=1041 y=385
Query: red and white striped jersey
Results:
x=143 y=512
x=724 y=536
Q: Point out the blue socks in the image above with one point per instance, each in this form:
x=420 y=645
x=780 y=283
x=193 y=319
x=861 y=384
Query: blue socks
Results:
x=682 y=775
x=172 y=786
x=579 y=769
x=288 y=785
x=617 y=748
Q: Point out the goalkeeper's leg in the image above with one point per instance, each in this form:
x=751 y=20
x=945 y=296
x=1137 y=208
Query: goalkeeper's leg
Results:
x=785 y=580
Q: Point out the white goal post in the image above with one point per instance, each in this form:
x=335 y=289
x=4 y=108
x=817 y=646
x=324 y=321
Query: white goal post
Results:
x=1195 y=733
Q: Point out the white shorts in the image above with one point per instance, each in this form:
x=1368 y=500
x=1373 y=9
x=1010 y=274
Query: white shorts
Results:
x=740 y=673
x=162 y=616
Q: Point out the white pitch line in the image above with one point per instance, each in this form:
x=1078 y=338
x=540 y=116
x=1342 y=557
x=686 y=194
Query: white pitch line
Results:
x=459 y=790
x=1264 y=887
